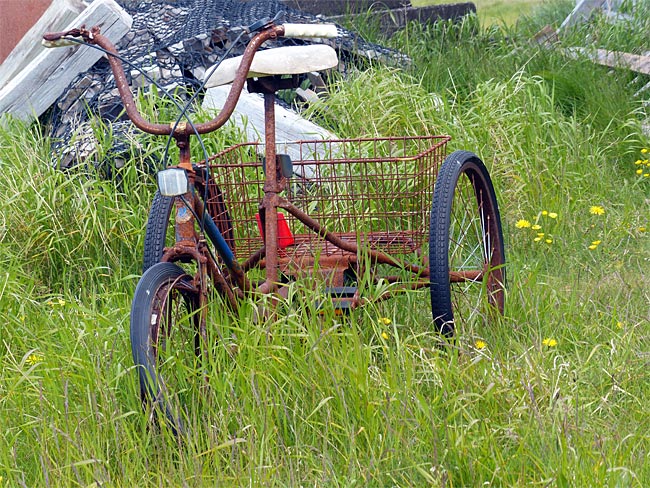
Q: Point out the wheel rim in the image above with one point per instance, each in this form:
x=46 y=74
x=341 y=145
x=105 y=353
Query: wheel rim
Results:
x=175 y=349
x=475 y=250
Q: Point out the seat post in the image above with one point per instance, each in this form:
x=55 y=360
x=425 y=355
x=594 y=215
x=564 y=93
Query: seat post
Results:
x=268 y=86
x=271 y=190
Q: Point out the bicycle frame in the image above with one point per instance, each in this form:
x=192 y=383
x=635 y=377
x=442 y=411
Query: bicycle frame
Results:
x=190 y=207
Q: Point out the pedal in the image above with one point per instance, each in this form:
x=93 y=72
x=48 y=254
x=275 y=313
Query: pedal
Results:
x=344 y=298
x=342 y=291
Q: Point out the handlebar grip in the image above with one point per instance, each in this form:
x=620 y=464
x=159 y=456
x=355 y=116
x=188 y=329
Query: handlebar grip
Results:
x=66 y=38
x=62 y=42
x=310 y=30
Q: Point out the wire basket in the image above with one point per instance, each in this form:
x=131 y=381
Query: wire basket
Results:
x=376 y=191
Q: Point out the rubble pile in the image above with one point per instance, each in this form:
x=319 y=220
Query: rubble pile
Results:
x=174 y=42
x=169 y=43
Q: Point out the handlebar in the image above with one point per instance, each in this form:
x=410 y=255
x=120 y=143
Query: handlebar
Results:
x=183 y=130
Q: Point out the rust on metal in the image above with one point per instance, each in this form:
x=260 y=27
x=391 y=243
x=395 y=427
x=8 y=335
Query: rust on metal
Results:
x=463 y=276
x=184 y=219
x=271 y=188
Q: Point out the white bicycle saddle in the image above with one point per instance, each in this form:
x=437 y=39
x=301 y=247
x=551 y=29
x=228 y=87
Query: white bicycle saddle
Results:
x=288 y=60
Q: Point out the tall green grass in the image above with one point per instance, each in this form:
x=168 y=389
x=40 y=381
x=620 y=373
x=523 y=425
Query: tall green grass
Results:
x=552 y=394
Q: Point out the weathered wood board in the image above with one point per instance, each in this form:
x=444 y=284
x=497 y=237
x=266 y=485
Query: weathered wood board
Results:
x=615 y=59
x=58 y=15
x=39 y=84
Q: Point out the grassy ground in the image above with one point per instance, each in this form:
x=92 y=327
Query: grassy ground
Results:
x=493 y=11
x=554 y=393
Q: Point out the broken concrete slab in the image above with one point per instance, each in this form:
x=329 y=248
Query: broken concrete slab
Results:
x=289 y=127
x=37 y=86
x=249 y=117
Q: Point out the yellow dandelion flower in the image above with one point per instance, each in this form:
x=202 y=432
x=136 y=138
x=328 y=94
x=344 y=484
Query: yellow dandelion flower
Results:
x=479 y=344
x=595 y=243
x=592 y=247
x=596 y=210
x=522 y=224
x=642 y=229
x=540 y=234
x=544 y=213
x=549 y=342
x=34 y=358
x=537 y=239
x=385 y=321
x=638 y=162
x=536 y=227
x=549 y=241
x=645 y=150
x=619 y=324
x=552 y=215
x=384 y=335
x=646 y=175
x=639 y=171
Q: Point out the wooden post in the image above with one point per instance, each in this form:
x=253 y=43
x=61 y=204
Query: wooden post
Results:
x=39 y=84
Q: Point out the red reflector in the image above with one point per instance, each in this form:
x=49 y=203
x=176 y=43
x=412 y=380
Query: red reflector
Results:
x=285 y=237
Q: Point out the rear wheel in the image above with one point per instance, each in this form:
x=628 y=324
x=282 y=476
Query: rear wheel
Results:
x=165 y=340
x=466 y=254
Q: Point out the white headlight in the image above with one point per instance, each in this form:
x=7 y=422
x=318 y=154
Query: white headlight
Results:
x=173 y=182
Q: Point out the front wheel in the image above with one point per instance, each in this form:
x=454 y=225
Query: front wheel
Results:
x=160 y=223
x=466 y=254
x=165 y=340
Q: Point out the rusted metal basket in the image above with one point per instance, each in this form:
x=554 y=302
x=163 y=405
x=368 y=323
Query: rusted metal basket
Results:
x=376 y=192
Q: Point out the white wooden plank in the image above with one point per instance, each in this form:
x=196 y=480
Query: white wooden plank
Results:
x=58 y=15
x=37 y=87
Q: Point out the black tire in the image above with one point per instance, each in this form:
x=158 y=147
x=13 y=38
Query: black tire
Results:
x=465 y=237
x=160 y=225
x=156 y=234
x=165 y=340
